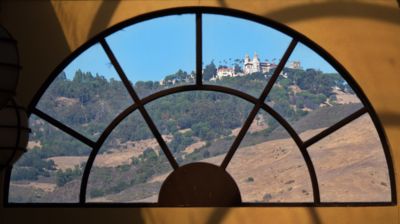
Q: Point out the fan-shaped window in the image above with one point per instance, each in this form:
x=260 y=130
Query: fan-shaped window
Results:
x=202 y=107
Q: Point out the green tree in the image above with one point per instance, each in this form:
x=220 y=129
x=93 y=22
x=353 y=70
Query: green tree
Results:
x=209 y=71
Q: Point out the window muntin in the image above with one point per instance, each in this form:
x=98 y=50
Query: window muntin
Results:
x=258 y=102
x=269 y=167
x=311 y=96
x=51 y=170
x=146 y=55
x=74 y=108
x=245 y=62
x=363 y=164
x=198 y=125
x=130 y=148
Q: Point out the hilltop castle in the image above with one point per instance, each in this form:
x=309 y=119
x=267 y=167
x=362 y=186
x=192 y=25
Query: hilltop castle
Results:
x=251 y=66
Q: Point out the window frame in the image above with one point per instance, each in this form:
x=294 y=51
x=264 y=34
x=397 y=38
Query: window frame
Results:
x=258 y=102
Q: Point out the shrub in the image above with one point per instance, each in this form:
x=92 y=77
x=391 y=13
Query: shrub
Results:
x=250 y=179
x=267 y=197
x=96 y=193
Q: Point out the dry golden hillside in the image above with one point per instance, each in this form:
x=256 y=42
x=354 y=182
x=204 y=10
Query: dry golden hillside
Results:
x=350 y=166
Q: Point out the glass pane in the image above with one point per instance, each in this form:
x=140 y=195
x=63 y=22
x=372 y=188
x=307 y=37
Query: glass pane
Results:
x=239 y=53
x=310 y=94
x=87 y=95
x=199 y=125
x=158 y=53
x=130 y=166
x=52 y=169
x=269 y=167
x=351 y=165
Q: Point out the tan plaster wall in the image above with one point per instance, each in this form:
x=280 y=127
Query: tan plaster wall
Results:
x=363 y=35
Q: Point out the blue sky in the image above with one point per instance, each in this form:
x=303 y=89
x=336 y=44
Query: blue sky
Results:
x=155 y=48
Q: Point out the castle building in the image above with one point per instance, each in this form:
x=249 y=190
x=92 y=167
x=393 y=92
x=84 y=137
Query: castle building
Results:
x=295 y=65
x=254 y=65
x=225 y=72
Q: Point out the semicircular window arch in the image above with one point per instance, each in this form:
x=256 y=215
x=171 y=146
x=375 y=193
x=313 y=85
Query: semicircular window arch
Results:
x=202 y=107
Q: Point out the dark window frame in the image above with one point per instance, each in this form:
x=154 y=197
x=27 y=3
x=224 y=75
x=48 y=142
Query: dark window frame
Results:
x=258 y=104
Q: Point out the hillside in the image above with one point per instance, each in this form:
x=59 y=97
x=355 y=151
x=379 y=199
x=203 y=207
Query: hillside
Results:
x=321 y=118
x=197 y=126
x=350 y=166
x=274 y=171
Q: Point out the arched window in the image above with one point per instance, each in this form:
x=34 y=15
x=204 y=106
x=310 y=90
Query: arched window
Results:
x=202 y=107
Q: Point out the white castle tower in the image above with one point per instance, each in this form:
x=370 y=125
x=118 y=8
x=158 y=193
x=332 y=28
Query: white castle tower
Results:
x=251 y=66
x=256 y=63
x=247 y=65
x=246 y=59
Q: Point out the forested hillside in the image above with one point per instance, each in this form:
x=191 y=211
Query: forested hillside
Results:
x=88 y=103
